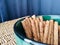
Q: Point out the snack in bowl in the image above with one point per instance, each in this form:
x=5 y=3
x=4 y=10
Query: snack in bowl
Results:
x=45 y=31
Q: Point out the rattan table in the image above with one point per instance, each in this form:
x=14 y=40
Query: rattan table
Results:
x=7 y=32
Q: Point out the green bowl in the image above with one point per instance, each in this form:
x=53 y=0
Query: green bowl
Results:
x=20 y=36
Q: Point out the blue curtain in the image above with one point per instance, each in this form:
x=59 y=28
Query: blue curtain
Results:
x=11 y=9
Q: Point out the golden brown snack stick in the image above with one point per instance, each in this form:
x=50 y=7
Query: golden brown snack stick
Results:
x=59 y=31
x=34 y=29
x=55 y=33
x=34 y=17
x=29 y=26
x=41 y=18
x=46 y=32
x=44 y=24
x=59 y=35
x=26 y=29
x=38 y=32
x=59 y=27
x=41 y=27
x=41 y=30
x=36 y=21
x=50 y=35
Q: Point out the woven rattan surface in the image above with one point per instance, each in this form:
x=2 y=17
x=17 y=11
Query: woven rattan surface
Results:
x=7 y=33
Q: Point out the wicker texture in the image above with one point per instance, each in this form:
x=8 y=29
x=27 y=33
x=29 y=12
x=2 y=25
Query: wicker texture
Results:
x=7 y=33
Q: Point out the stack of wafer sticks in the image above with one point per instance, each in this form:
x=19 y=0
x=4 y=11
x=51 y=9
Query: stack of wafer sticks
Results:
x=39 y=30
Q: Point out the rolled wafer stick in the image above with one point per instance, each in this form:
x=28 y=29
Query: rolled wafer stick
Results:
x=55 y=33
x=29 y=26
x=34 y=30
x=38 y=32
x=26 y=28
x=38 y=19
x=41 y=18
x=41 y=31
x=50 y=35
x=59 y=35
x=59 y=27
x=46 y=32
x=36 y=25
x=59 y=30
x=43 y=26
x=33 y=16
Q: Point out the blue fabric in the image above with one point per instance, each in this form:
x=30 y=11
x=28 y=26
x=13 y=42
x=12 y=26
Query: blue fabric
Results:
x=11 y=9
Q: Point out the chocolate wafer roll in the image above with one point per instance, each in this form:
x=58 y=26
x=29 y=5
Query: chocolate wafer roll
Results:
x=34 y=29
x=46 y=32
x=55 y=33
x=50 y=35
